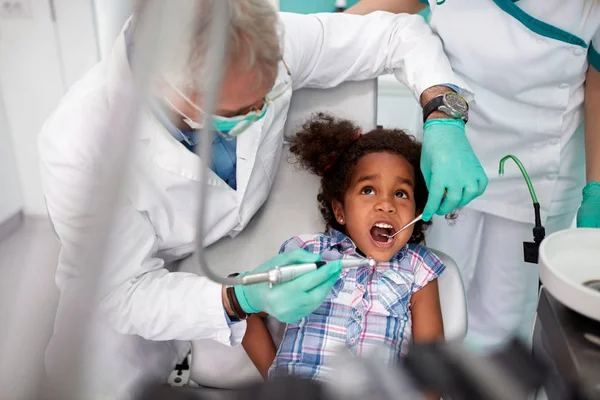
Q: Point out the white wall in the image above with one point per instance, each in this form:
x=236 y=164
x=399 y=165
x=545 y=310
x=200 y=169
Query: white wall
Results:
x=76 y=34
x=396 y=106
x=38 y=61
x=31 y=82
x=11 y=200
x=110 y=18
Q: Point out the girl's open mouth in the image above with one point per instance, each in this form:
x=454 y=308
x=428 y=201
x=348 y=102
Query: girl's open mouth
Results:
x=379 y=234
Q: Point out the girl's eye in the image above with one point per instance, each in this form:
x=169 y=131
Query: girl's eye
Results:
x=401 y=194
x=367 y=190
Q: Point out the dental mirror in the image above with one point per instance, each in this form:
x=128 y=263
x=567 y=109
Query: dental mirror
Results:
x=411 y=223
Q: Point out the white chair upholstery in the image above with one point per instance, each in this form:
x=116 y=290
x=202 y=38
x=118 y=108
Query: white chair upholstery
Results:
x=291 y=210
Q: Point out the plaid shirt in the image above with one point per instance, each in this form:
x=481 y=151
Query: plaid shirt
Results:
x=367 y=308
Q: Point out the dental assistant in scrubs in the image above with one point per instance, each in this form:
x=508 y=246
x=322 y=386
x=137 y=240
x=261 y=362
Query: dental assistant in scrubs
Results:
x=533 y=65
x=154 y=313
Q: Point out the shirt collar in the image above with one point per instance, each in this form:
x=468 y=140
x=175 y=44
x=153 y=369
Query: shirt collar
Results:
x=344 y=243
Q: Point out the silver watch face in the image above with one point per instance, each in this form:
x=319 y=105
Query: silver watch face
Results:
x=456 y=103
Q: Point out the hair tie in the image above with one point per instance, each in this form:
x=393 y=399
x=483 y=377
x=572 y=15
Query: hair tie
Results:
x=342 y=152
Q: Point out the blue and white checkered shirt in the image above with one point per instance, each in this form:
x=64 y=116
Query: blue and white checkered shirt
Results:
x=367 y=308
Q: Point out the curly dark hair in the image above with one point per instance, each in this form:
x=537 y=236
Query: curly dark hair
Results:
x=330 y=148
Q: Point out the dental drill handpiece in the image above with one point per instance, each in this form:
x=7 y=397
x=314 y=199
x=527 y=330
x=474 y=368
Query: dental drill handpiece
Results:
x=286 y=273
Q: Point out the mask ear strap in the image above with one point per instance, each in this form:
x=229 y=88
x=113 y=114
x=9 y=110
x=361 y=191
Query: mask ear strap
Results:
x=191 y=123
x=183 y=96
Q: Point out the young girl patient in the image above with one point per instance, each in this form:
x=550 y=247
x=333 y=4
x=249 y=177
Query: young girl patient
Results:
x=371 y=185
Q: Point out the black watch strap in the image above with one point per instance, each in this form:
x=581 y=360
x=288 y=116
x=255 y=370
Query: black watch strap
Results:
x=432 y=106
x=239 y=314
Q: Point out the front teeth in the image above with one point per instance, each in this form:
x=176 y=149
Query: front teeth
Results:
x=383 y=225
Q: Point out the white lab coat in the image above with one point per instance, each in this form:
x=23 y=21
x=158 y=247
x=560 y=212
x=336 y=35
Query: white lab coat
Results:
x=149 y=306
x=529 y=102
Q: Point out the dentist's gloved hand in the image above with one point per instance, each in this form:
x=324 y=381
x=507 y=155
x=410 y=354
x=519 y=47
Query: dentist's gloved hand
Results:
x=588 y=215
x=290 y=301
x=449 y=165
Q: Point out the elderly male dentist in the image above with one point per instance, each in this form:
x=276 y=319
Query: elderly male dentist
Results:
x=154 y=313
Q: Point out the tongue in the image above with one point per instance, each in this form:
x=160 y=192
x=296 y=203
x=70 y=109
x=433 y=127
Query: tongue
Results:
x=378 y=232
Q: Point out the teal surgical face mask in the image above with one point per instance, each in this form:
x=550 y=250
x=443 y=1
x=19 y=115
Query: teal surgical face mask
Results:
x=230 y=127
x=227 y=127
x=234 y=126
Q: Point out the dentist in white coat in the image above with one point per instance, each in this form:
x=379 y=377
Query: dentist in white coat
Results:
x=154 y=313
x=534 y=66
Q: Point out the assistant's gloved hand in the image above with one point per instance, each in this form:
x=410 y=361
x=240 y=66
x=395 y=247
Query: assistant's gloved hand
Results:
x=449 y=165
x=293 y=300
x=588 y=215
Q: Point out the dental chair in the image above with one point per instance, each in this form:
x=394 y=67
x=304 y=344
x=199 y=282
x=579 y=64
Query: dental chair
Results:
x=291 y=209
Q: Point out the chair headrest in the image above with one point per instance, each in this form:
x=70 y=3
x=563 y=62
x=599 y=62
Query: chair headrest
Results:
x=356 y=101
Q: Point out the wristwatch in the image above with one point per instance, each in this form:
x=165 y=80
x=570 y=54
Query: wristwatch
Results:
x=238 y=313
x=450 y=103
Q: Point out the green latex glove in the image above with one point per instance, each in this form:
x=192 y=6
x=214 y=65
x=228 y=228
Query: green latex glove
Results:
x=290 y=301
x=450 y=167
x=588 y=215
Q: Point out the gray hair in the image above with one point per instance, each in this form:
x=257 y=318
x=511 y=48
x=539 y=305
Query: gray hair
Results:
x=253 y=39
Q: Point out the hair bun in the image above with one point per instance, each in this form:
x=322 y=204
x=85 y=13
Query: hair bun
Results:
x=321 y=140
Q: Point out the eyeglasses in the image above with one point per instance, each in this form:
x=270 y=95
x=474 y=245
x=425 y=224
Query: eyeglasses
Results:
x=280 y=87
x=235 y=126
